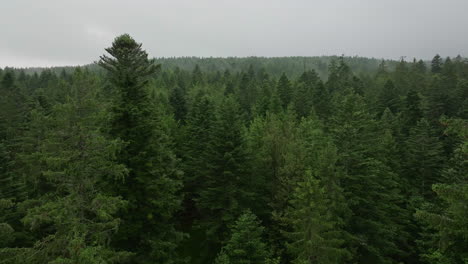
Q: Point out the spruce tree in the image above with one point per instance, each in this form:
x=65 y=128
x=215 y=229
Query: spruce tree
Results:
x=309 y=94
x=276 y=156
x=75 y=220
x=436 y=64
x=303 y=100
x=322 y=101
x=178 y=104
x=450 y=219
x=370 y=187
x=153 y=182
x=197 y=76
x=195 y=157
x=412 y=111
x=401 y=77
x=228 y=188
x=247 y=90
x=13 y=188
x=438 y=99
x=198 y=133
x=275 y=105
x=461 y=99
x=284 y=90
x=340 y=75
x=317 y=235
x=246 y=244
x=309 y=77
x=389 y=98
x=423 y=159
x=8 y=196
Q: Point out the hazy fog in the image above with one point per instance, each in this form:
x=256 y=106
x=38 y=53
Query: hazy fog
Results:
x=48 y=32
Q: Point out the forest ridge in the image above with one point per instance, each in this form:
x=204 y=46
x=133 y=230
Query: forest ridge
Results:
x=234 y=161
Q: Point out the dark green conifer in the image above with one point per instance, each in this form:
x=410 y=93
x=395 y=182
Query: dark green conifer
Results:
x=450 y=218
x=436 y=64
x=228 y=188
x=284 y=90
x=153 y=183
x=178 y=104
x=423 y=159
x=389 y=98
x=370 y=187
x=74 y=221
x=246 y=244
x=317 y=235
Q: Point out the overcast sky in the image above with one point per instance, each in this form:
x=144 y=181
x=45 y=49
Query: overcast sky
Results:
x=72 y=32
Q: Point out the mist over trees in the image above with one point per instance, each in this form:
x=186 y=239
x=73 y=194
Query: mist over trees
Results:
x=234 y=160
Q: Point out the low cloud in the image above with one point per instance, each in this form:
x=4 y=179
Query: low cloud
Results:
x=38 y=33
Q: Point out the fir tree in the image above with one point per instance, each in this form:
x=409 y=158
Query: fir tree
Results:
x=75 y=219
x=284 y=90
x=423 y=159
x=303 y=100
x=438 y=97
x=449 y=242
x=436 y=64
x=246 y=245
x=196 y=151
x=197 y=76
x=389 y=98
x=401 y=77
x=370 y=187
x=152 y=185
x=317 y=235
x=412 y=111
x=276 y=155
x=247 y=90
x=228 y=188
x=461 y=99
x=178 y=103
x=340 y=75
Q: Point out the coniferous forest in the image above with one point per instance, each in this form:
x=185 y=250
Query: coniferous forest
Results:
x=234 y=160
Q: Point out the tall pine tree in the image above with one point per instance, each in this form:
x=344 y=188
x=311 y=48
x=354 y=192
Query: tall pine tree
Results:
x=153 y=184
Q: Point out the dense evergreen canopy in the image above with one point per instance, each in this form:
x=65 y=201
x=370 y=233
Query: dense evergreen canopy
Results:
x=236 y=160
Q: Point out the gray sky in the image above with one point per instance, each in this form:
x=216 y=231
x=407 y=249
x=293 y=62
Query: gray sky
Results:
x=71 y=32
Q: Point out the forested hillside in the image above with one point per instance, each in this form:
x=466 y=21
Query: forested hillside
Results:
x=234 y=161
x=292 y=66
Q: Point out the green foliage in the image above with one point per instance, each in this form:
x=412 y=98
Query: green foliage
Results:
x=153 y=183
x=412 y=111
x=246 y=245
x=316 y=228
x=370 y=186
x=317 y=208
x=273 y=141
x=197 y=76
x=389 y=97
x=195 y=154
x=178 y=103
x=309 y=95
x=450 y=221
x=342 y=159
x=340 y=75
x=228 y=188
x=247 y=90
x=284 y=90
x=423 y=159
x=75 y=158
x=302 y=100
x=436 y=64
x=439 y=101
x=196 y=143
x=128 y=65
